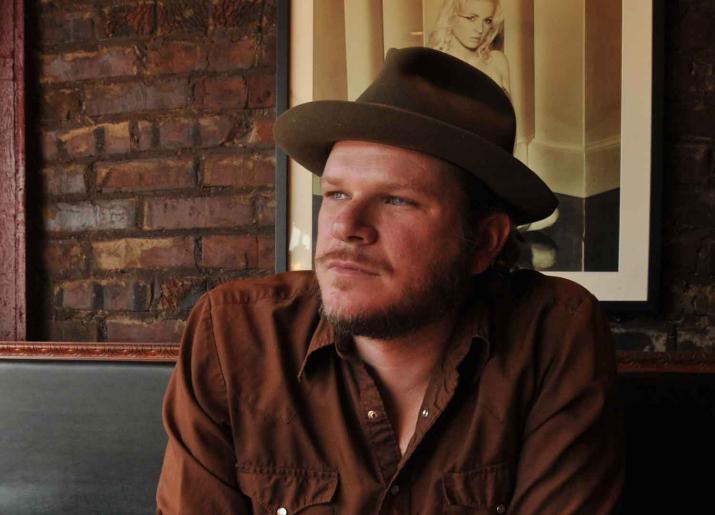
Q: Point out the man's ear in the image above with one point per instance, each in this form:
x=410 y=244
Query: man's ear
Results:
x=491 y=235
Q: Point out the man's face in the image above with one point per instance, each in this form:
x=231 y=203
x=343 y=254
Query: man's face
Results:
x=389 y=258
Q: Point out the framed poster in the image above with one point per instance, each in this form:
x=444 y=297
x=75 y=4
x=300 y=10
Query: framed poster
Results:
x=584 y=78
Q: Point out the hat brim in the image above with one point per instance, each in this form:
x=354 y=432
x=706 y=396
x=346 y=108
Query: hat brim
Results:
x=307 y=133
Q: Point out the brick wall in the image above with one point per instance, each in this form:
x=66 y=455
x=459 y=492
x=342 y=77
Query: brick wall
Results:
x=687 y=319
x=151 y=160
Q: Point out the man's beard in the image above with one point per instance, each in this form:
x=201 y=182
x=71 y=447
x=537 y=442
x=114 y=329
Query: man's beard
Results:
x=442 y=290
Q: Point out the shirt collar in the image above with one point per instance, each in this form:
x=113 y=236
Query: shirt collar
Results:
x=472 y=327
x=323 y=336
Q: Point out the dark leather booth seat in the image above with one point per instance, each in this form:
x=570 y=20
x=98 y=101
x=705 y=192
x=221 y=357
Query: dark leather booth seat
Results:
x=80 y=437
x=86 y=438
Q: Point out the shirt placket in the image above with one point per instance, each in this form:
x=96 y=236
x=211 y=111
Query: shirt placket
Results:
x=383 y=442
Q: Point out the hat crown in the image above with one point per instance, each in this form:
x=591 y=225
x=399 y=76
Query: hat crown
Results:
x=445 y=88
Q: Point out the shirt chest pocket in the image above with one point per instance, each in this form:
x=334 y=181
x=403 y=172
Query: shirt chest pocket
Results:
x=484 y=490
x=287 y=491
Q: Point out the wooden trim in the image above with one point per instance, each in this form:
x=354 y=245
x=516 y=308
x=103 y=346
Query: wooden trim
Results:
x=12 y=172
x=628 y=362
x=90 y=351
x=666 y=362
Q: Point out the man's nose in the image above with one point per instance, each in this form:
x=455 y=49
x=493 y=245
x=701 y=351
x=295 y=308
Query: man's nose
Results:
x=352 y=225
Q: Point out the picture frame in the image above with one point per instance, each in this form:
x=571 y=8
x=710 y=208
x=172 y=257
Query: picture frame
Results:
x=631 y=285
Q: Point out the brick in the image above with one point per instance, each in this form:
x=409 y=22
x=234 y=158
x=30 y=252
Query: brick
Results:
x=265 y=209
x=222 y=92
x=136 y=96
x=681 y=252
x=239 y=171
x=48 y=145
x=83 y=216
x=145 y=175
x=642 y=340
x=688 y=118
x=696 y=207
x=261 y=133
x=180 y=294
x=703 y=299
x=73 y=330
x=64 y=180
x=692 y=30
x=201 y=212
x=183 y=17
x=130 y=19
x=266 y=253
x=77 y=294
x=269 y=16
x=699 y=338
x=262 y=90
x=267 y=52
x=58 y=27
x=235 y=252
x=176 y=133
x=117 y=139
x=78 y=142
x=214 y=130
x=79 y=65
x=125 y=295
x=146 y=135
x=143 y=253
x=154 y=331
x=176 y=57
x=63 y=256
x=694 y=163
x=232 y=55
x=244 y=15
x=61 y=105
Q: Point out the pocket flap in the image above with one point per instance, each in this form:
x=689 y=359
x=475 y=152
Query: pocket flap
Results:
x=487 y=487
x=292 y=489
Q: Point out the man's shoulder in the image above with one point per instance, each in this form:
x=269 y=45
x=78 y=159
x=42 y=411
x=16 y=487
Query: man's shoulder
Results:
x=277 y=288
x=537 y=291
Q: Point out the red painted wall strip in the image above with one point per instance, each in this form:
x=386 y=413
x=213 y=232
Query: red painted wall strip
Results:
x=12 y=173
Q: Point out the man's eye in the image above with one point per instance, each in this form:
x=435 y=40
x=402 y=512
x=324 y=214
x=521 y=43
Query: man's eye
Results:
x=488 y=21
x=335 y=195
x=397 y=201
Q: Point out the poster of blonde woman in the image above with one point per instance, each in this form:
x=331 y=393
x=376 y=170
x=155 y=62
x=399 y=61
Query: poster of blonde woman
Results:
x=559 y=62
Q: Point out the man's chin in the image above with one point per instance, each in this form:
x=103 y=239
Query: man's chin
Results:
x=344 y=304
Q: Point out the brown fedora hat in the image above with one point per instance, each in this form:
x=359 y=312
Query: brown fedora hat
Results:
x=431 y=102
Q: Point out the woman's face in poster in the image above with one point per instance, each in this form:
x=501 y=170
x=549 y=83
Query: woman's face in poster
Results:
x=472 y=21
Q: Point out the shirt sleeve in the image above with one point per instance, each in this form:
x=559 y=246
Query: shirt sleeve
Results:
x=571 y=461
x=198 y=473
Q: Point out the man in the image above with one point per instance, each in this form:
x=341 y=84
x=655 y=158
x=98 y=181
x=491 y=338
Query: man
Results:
x=412 y=373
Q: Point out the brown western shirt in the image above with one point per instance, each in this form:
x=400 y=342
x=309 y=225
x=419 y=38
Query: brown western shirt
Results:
x=268 y=412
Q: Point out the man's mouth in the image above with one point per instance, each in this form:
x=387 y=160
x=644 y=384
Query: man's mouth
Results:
x=345 y=262
x=347 y=267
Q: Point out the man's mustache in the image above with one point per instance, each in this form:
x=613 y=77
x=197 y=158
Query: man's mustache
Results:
x=353 y=256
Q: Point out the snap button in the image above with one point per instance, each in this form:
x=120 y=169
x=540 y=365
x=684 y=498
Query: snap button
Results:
x=281 y=511
x=372 y=414
x=501 y=509
x=395 y=490
x=424 y=413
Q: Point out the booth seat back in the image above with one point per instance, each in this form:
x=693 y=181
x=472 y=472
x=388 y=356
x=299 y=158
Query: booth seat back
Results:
x=86 y=438
x=80 y=437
